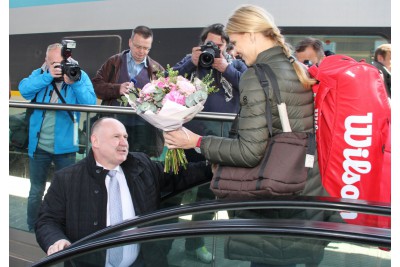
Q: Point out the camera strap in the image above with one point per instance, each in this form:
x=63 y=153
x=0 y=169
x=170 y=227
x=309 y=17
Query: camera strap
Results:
x=62 y=98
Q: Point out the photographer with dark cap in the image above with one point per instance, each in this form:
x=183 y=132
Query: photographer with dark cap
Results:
x=209 y=56
x=52 y=135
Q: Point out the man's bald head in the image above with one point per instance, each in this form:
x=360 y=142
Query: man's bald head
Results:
x=109 y=142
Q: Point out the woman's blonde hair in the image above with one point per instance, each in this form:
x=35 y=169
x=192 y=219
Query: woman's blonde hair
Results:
x=251 y=18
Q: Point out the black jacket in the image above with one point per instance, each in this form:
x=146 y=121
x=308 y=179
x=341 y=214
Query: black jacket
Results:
x=387 y=76
x=76 y=202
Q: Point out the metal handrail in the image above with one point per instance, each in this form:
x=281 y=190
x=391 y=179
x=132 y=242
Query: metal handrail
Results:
x=110 y=109
x=295 y=202
x=279 y=228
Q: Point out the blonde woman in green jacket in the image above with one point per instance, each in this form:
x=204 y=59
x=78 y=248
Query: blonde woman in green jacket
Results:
x=258 y=40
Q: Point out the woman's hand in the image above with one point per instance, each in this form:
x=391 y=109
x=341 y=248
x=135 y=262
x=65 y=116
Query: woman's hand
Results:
x=181 y=138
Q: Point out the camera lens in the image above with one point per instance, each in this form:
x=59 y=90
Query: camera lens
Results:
x=206 y=58
x=74 y=73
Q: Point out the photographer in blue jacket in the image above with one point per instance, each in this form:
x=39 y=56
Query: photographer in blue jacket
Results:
x=53 y=134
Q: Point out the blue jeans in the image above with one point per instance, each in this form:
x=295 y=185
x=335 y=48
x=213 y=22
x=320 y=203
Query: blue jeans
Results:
x=39 y=167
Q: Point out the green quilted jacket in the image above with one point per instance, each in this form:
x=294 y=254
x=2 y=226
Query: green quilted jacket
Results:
x=248 y=149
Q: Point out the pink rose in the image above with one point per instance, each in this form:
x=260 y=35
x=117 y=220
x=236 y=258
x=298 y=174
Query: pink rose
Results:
x=176 y=97
x=162 y=84
x=172 y=87
x=184 y=86
x=148 y=89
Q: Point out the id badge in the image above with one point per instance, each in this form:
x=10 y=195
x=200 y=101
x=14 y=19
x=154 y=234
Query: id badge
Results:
x=76 y=135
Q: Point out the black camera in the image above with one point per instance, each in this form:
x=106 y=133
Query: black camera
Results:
x=209 y=52
x=71 y=69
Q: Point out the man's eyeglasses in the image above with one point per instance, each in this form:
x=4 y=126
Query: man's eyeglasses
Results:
x=138 y=47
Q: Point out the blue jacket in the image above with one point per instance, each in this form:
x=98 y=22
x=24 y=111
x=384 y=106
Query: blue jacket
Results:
x=216 y=101
x=39 y=84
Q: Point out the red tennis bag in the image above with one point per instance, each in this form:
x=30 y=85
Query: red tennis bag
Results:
x=352 y=122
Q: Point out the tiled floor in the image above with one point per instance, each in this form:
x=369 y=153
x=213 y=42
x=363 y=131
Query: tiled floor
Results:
x=18 y=198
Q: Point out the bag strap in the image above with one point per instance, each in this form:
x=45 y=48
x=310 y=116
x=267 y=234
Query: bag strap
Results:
x=62 y=99
x=265 y=84
x=311 y=146
x=29 y=111
x=233 y=132
x=275 y=87
x=272 y=77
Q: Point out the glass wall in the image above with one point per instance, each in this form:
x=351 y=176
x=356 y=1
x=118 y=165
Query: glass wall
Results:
x=357 y=47
x=143 y=141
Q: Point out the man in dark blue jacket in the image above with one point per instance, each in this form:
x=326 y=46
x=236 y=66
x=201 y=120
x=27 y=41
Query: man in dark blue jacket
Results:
x=226 y=70
x=77 y=202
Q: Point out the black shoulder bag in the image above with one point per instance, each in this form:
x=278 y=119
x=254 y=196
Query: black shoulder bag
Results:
x=19 y=128
x=284 y=168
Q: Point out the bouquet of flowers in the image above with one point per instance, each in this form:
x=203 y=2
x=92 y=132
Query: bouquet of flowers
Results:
x=167 y=103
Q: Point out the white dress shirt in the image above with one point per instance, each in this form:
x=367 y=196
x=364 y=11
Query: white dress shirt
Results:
x=130 y=252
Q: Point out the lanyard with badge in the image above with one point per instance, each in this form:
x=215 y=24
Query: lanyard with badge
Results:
x=72 y=116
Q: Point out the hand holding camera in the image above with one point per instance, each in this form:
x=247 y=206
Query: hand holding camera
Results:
x=209 y=52
x=220 y=64
x=55 y=70
x=196 y=51
x=209 y=56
